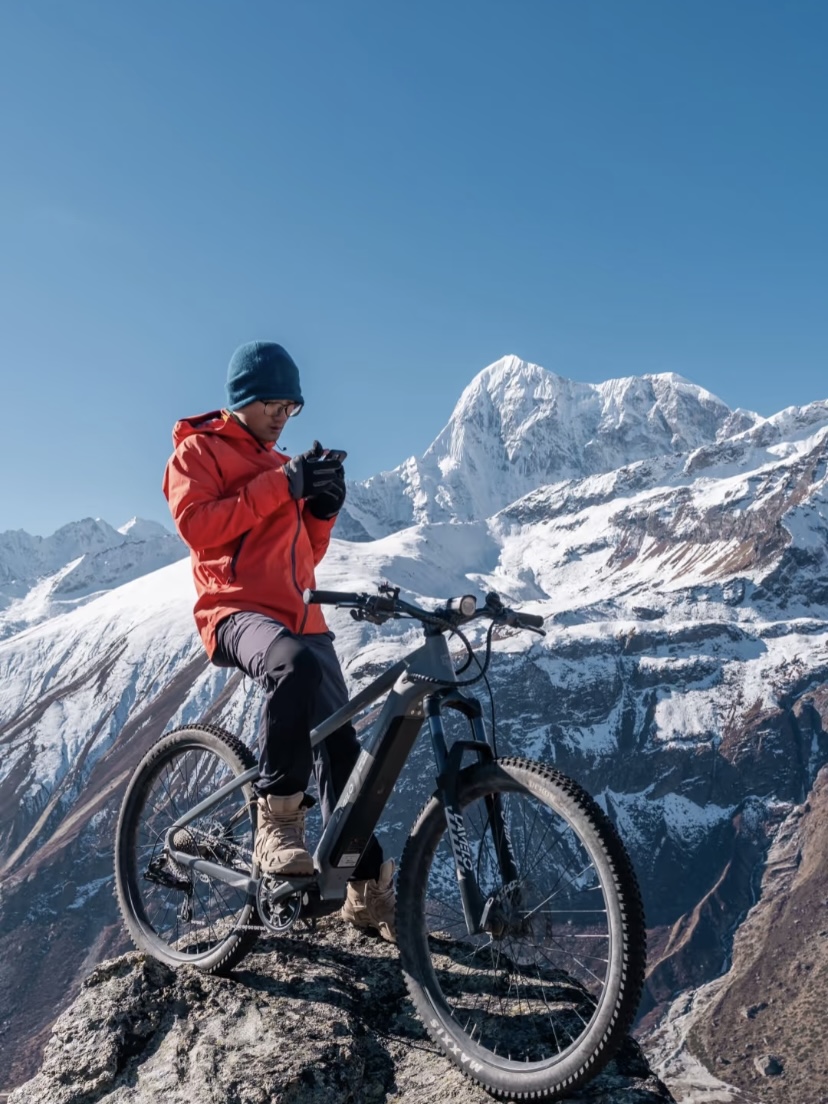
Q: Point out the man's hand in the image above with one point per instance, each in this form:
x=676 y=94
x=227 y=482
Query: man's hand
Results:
x=329 y=502
x=310 y=474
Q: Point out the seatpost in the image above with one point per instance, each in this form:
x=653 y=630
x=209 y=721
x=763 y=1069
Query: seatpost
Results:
x=470 y=895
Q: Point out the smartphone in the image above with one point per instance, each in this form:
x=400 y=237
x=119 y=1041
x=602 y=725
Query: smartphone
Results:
x=336 y=456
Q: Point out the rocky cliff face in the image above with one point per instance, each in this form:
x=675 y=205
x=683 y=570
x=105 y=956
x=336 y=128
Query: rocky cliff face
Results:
x=321 y=1018
x=760 y=1026
x=683 y=678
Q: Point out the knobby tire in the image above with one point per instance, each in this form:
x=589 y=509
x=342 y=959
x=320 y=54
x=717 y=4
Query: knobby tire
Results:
x=540 y=1007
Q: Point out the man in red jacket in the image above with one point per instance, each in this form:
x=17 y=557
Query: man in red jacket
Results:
x=257 y=523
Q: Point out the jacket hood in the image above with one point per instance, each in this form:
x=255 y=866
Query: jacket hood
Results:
x=220 y=422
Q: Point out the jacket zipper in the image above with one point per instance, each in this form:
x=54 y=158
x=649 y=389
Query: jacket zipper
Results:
x=293 y=564
x=235 y=559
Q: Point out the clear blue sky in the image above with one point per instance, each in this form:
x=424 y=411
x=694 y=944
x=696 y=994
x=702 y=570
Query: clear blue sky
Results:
x=400 y=193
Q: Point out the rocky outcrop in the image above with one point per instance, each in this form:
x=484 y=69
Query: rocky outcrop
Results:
x=320 y=1017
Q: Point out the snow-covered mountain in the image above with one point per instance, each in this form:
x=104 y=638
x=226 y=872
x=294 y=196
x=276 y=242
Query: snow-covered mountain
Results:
x=679 y=554
x=43 y=576
x=517 y=427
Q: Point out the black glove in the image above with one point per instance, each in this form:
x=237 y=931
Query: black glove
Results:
x=329 y=502
x=310 y=473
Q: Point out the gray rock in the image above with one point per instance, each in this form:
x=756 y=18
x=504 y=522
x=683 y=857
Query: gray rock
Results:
x=314 y=1019
x=769 y=1065
x=750 y=1012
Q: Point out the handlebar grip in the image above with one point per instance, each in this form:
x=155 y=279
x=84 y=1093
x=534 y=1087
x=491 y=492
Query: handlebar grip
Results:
x=329 y=597
x=534 y=620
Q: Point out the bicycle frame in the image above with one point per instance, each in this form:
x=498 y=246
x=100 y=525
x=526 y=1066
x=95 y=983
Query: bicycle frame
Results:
x=410 y=704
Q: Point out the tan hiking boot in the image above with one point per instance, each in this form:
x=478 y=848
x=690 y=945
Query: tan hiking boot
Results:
x=280 y=837
x=372 y=904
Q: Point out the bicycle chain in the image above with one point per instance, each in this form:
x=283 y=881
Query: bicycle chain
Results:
x=289 y=932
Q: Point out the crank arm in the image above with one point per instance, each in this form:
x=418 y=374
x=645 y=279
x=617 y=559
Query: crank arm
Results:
x=288 y=886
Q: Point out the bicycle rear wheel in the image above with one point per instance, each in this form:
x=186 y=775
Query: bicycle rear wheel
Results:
x=171 y=912
x=538 y=1003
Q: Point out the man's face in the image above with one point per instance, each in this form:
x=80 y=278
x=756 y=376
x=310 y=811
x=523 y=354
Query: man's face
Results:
x=265 y=418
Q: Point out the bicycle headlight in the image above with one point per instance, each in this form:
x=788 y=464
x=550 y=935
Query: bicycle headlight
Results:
x=464 y=606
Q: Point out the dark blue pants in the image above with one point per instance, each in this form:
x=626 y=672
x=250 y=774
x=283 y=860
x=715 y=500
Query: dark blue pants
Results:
x=303 y=686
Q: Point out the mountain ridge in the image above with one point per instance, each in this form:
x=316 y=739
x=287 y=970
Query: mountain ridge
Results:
x=517 y=426
x=42 y=576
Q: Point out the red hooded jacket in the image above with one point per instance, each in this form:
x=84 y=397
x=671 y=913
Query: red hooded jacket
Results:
x=252 y=546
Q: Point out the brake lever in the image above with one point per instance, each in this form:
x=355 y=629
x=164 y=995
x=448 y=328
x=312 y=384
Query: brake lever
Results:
x=367 y=615
x=377 y=610
x=513 y=619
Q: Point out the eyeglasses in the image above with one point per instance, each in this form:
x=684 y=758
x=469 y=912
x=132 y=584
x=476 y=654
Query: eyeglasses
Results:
x=276 y=407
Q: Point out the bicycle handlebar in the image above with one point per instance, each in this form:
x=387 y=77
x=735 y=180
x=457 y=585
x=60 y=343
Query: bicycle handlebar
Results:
x=385 y=606
x=531 y=620
x=330 y=597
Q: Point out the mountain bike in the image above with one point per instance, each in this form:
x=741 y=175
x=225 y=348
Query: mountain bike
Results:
x=519 y=920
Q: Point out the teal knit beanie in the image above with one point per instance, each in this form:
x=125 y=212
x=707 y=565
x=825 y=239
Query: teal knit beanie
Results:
x=261 y=370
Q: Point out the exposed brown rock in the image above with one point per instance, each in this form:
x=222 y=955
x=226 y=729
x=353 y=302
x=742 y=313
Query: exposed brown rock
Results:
x=780 y=953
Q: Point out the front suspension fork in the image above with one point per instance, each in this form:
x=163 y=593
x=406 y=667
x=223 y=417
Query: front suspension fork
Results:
x=477 y=910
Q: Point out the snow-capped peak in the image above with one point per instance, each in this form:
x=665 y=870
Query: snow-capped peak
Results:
x=518 y=426
x=41 y=576
x=141 y=529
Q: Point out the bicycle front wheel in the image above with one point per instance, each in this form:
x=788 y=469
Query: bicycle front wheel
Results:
x=539 y=1000
x=173 y=913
